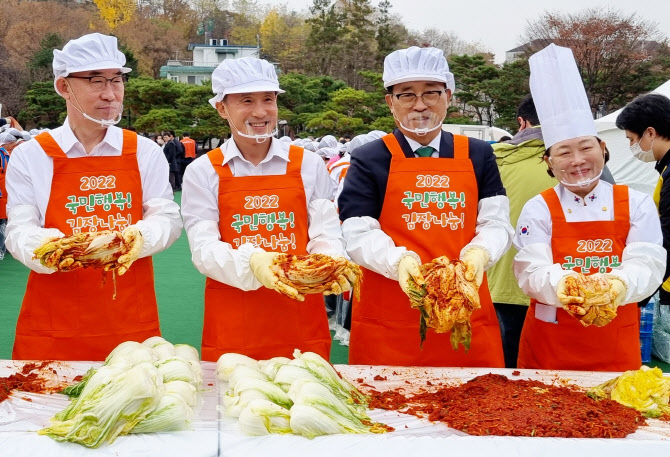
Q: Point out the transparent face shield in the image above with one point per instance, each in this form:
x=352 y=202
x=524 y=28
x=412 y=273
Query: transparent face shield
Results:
x=255 y=130
x=105 y=123
x=573 y=172
x=420 y=123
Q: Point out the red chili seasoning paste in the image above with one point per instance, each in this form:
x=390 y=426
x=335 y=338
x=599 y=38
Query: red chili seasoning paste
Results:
x=495 y=405
x=29 y=379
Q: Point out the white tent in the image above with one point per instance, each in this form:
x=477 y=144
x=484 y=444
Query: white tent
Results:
x=625 y=168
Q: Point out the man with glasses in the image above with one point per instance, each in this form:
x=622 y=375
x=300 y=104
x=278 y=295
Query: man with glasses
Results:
x=414 y=195
x=88 y=176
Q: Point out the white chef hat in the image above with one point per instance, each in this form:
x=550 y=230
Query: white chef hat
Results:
x=94 y=51
x=559 y=96
x=241 y=76
x=417 y=64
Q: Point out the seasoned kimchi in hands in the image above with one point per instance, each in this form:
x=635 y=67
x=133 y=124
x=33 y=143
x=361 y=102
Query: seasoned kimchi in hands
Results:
x=588 y=299
x=315 y=274
x=447 y=300
x=91 y=249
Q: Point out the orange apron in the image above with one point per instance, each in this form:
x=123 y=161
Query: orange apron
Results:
x=72 y=315
x=270 y=212
x=585 y=247
x=425 y=211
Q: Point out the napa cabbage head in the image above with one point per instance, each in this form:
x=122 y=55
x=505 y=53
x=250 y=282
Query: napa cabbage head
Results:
x=102 y=414
x=228 y=361
x=262 y=417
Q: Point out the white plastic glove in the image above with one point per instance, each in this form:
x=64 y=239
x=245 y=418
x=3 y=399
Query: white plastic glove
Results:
x=344 y=282
x=618 y=291
x=260 y=264
x=133 y=238
x=409 y=269
x=476 y=259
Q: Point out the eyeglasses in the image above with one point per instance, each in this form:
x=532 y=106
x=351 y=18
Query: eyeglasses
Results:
x=98 y=83
x=429 y=98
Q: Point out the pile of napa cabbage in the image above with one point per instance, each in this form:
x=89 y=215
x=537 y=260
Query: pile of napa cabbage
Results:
x=303 y=396
x=141 y=388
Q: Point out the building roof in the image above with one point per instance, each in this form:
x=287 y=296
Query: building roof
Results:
x=191 y=46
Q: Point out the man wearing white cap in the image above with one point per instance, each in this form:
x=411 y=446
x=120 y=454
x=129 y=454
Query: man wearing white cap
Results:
x=88 y=176
x=245 y=202
x=414 y=195
x=609 y=233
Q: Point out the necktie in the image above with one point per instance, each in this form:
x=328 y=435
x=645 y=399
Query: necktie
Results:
x=425 y=151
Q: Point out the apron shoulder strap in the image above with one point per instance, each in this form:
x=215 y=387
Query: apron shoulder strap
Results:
x=129 y=143
x=216 y=157
x=554 y=204
x=49 y=145
x=621 y=205
x=295 y=155
x=461 y=147
x=393 y=146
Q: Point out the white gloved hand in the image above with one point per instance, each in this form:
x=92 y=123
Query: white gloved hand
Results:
x=344 y=282
x=476 y=259
x=618 y=291
x=260 y=264
x=409 y=270
x=132 y=238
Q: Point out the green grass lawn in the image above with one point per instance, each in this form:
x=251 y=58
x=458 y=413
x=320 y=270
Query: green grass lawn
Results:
x=180 y=293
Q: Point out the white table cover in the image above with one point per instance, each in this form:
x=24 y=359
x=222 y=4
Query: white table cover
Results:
x=214 y=435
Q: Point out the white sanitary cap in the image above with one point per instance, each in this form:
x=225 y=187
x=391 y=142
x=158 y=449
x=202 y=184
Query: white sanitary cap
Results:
x=328 y=141
x=7 y=137
x=242 y=76
x=417 y=64
x=559 y=96
x=285 y=139
x=375 y=135
x=309 y=145
x=357 y=142
x=329 y=152
x=94 y=51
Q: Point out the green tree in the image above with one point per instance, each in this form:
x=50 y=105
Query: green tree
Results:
x=359 y=41
x=507 y=91
x=324 y=42
x=473 y=74
x=199 y=118
x=387 y=38
x=44 y=107
x=40 y=62
x=334 y=123
x=131 y=61
x=158 y=120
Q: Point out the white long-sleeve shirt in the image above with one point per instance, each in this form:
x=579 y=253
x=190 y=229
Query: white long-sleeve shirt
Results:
x=643 y=261
x=369 y=246
x=29 y=177
x=200 y=209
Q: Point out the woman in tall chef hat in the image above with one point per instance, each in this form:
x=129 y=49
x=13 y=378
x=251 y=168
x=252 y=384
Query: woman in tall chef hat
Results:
x=609 y=233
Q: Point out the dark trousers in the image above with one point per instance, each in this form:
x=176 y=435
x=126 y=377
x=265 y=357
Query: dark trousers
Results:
x=510 y=318
x=175 y=180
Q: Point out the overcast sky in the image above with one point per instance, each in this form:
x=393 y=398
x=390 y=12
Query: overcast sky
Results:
x=497 y=24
